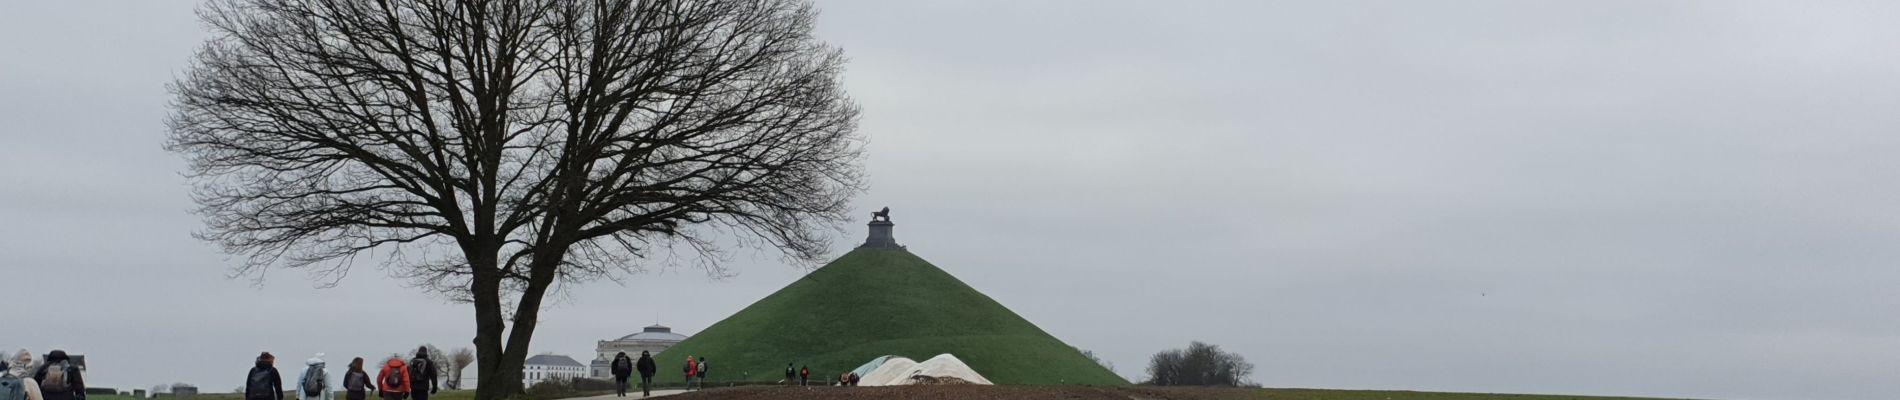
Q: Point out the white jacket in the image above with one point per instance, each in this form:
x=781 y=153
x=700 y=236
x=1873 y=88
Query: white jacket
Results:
x=327 y=380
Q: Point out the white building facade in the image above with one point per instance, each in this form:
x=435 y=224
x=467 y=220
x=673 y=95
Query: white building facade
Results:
x=547 y=367
x=653 y=339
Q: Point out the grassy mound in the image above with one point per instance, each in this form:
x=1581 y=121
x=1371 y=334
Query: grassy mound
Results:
x=874 y=302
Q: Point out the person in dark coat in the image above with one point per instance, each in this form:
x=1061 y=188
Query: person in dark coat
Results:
x=264 y=383
x=647 y=368
x=68 y=383
x=622 y=368
x=791 y=374
x=356 y=383
x=422 y=375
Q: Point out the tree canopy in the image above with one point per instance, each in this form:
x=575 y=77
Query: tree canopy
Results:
x=492 y=149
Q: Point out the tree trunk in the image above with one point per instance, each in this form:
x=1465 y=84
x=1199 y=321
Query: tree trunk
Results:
x=495 y=378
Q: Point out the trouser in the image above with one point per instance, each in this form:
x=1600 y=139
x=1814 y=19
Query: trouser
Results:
x=620 y=386
x=356 y=395
x=646 y=385
x=394 y=395
x=419 y=394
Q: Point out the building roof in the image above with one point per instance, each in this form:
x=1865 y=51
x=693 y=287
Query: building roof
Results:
x=554 y=360
x=655 y=333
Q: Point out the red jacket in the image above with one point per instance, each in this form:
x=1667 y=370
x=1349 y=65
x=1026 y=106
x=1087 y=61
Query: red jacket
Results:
x=395 y=366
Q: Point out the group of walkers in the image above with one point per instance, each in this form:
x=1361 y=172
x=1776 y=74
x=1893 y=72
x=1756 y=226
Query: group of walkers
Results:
x=695 y=373
x=623 y=368
x=398 y=380
x=54 y=379
x=802 y=377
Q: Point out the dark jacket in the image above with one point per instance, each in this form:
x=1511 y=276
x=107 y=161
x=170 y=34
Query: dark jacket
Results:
x=358 y=378
x=622 y=367
x=422 y=378
x=276 y=380
x=646 y=366
x=75 y=382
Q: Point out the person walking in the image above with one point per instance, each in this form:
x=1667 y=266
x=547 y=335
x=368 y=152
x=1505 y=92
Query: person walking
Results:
x=791 y=374
x=804 y=375
x=59 y=379
x=21 y=368
x=264 y=383
x=647 y=368
x=315 y=382
x=422 y=375
x=692 y=369
x=14 y=385
x=700 y=377
x=356 y=381
x=622 y=368
x=394 y=380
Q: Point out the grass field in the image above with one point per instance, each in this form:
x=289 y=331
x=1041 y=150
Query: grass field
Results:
x=875 y=302
x=1036 y=392
x=1331 y=394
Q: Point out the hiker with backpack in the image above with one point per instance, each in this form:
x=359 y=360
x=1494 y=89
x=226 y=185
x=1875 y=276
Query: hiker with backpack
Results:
x=422 y=375
x=700 y=378
x=647 y=368
x=356 y=382
x=791 y=375
x=394 y=379
x=263 y=383
x=622 y=368
x=13 y=386
x=22 y=367
x=59 y=379
x=315 y=382
x=804 y=375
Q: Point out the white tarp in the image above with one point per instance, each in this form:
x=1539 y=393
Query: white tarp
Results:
x=903 y=371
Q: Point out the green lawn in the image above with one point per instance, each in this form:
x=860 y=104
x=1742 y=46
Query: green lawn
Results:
x=875 y=302
x=1331 y=394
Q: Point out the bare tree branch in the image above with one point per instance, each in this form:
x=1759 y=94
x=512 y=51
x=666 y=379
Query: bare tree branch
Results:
x=496 y=150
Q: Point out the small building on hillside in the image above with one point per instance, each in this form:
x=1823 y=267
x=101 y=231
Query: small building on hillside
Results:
x=550 y=367
x=653 y=339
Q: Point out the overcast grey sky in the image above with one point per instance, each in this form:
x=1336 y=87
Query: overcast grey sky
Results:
x=1695 y=199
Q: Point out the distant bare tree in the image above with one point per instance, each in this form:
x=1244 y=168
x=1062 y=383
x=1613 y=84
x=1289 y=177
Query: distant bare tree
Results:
x=459 y=359
x=1097 y=360
x=1200 y=364
x=493 y=149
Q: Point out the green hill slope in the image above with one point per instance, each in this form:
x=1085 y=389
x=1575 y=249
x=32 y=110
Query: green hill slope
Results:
x=873 y=302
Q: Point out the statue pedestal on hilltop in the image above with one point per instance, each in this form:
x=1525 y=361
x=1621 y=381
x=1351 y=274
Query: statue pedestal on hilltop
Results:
x=881 y=231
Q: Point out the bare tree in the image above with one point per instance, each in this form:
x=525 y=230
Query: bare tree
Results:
x=1098 y=360
x=493 y=150
x=1200 y=364
x=459 y=359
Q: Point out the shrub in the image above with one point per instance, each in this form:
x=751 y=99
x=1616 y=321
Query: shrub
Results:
x=1200 y=364
x=102 y=391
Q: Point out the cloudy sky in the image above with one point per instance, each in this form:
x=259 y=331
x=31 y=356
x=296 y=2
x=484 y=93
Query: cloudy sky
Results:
x=1622 y=198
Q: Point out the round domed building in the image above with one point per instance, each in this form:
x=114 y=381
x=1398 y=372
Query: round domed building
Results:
x=653 y=339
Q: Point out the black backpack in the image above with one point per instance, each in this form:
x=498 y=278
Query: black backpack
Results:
x=419 y=372
x=259 y=385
